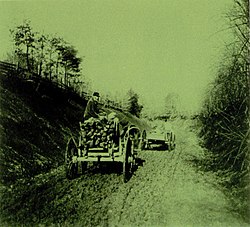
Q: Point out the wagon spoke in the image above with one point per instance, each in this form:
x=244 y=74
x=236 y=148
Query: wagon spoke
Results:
x=70 y=167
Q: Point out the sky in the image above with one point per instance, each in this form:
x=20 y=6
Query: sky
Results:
x=154 y=47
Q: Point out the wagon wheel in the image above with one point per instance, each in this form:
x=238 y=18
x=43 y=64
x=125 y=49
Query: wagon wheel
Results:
x=70 y=167
x=127 y=165
x=143 y=141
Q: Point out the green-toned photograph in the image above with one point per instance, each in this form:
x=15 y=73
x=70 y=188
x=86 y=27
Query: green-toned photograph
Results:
x=124 y=113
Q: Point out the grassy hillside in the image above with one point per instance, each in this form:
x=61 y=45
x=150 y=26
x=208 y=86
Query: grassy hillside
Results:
x=35 y=122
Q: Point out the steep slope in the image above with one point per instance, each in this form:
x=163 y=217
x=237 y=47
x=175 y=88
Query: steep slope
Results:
x=36 y=120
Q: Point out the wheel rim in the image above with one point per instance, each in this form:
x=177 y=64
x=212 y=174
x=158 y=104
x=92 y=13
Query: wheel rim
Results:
x=126 y=164
x=143 y=141
x=70 y=167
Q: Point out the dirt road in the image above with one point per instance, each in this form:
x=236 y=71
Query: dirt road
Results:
x=168 y=190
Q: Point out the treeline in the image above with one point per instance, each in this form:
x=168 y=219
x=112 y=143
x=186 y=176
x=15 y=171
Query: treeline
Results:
x=47 y=56
x=225 y=115
x=129 y=102
x=54 y=59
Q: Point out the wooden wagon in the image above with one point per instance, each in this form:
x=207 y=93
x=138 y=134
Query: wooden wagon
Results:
x=122 y=145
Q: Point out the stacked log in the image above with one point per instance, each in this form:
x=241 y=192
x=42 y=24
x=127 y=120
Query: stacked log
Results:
x=98 y=132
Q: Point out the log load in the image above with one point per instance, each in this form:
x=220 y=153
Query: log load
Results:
x=99 y=132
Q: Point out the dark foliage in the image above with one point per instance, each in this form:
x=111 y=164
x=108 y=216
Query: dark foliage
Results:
x=133 y=103
x=36 y=123
x=225 y=115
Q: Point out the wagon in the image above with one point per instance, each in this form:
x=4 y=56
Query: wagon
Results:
x=164 y=140
x=161 y=138
x=122 y=147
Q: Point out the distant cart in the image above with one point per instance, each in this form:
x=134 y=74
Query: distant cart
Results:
x=106 y=142
x=161 y=140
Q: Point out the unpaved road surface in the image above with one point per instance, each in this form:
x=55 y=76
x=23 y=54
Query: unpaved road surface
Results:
x=167 y=190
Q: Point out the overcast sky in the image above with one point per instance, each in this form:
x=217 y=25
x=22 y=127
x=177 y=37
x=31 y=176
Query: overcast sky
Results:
x=152 y=46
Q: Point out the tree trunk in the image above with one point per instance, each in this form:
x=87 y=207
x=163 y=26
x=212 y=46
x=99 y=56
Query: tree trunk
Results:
x=41 y=64
x=27 y=58
x=50 y=66
x=57 y=65
x=65 y=75
x=40 y=69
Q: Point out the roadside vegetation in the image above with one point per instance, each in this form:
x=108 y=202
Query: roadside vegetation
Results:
x=225 y=115
x=35 y=126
